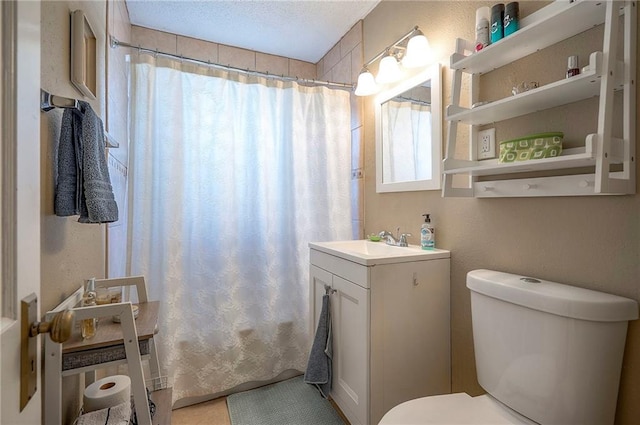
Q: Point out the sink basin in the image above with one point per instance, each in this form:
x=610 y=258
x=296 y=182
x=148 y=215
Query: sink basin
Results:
x=370 y=253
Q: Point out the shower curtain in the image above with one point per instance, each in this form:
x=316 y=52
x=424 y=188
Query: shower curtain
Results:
x=230 y=177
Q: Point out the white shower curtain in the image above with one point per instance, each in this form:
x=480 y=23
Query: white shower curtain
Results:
x=230 y=177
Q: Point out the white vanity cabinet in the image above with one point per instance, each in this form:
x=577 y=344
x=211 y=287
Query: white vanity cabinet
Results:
x=390 y=324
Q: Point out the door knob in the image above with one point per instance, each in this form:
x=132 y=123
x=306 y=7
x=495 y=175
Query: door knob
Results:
x=59 y=328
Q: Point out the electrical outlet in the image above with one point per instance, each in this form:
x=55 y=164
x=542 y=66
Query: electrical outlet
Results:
x=487 y=143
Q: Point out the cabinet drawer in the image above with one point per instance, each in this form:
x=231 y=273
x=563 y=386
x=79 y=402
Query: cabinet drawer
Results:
x=348 y=270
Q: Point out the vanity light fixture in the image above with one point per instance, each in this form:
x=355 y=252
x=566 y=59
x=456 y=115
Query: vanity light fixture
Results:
x=414 y=53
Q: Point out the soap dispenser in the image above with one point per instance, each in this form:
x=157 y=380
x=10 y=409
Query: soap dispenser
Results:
x=427 y=233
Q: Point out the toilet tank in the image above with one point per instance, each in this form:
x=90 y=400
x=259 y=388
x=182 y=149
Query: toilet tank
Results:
x=551 y=352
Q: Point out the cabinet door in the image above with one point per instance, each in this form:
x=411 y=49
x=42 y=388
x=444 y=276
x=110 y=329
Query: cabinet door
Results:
x=410 y=355
x=350 y=319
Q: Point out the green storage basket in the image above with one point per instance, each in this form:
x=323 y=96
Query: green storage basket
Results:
x=535 y=146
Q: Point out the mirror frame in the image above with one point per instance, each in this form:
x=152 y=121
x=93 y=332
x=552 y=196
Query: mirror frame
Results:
x=431 y=73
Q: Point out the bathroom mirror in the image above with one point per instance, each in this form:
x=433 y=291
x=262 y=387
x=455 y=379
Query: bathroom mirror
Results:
x=409 y=133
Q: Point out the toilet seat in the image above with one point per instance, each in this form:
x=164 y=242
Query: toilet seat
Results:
x=459 y=408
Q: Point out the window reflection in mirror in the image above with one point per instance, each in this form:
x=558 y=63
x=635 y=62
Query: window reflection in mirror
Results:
x=408 y=134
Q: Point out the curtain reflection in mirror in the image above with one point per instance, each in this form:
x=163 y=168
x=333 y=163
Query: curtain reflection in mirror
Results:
x=406 y=129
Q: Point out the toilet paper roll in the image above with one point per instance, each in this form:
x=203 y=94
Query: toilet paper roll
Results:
x=107 y=392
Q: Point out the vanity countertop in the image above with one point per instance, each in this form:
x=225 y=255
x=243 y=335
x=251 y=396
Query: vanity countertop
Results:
x=370 y=253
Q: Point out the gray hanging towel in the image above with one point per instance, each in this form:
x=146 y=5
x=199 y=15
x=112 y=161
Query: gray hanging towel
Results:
x=83 y=186
x=67 y=196
x=319 y=366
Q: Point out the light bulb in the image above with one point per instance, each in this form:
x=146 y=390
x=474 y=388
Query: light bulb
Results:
x=418 y=52
x=389 y=70
x=366 y=84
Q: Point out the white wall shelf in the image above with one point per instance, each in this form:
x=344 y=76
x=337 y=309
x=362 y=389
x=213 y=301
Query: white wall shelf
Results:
x=558 y=93
x=552 y=24
x=570 y=158
x=606 y=73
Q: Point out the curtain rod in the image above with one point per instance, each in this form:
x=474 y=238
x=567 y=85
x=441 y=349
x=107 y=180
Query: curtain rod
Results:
x=117 y=43
x=412 y=100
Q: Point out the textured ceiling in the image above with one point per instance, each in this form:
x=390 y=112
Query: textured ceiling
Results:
x=298 y=29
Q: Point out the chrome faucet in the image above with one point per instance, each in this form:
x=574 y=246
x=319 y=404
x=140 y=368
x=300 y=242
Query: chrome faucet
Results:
x=388 y=238
x=399 y=240
x=403 y=239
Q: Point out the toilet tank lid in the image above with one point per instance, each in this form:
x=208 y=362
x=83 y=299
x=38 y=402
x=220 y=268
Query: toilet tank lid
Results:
x=552 y=297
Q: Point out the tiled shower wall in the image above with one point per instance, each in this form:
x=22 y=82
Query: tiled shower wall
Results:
x=221 y=54
x=116 y=123
x=342 y=64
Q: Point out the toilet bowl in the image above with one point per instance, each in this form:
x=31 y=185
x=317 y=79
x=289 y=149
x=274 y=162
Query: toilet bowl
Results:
x=459 y=408
x=546 y=353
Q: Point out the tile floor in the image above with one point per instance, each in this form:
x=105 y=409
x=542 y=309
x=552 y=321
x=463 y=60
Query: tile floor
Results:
x=212 y=412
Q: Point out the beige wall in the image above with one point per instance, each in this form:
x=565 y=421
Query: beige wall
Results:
x=72 y=252
x=593 y=242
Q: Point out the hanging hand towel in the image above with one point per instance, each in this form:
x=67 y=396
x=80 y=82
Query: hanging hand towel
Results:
x=67 y=197
x=84 y=187
x=319 y=365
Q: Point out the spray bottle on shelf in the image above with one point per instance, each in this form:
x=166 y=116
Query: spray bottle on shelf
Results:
x=483 y=15
x=427 y=233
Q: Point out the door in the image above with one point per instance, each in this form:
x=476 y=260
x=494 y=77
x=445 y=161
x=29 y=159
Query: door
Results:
x=350 y=319
x=350 y=328
x=20 y=200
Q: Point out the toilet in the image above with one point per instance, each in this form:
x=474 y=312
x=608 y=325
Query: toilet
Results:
x=546 y=353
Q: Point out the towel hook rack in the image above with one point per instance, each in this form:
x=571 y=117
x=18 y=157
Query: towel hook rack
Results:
x=49 y=101
x=329 y=290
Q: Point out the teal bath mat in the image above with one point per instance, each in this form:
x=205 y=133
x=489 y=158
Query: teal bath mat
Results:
x=290 y=402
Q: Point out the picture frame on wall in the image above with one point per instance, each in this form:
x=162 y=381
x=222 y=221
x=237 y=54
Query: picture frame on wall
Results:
x=83 y=55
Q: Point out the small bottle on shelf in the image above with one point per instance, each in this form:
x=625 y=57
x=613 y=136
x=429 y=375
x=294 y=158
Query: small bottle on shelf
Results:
x=572 y=66
x=89 y=326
